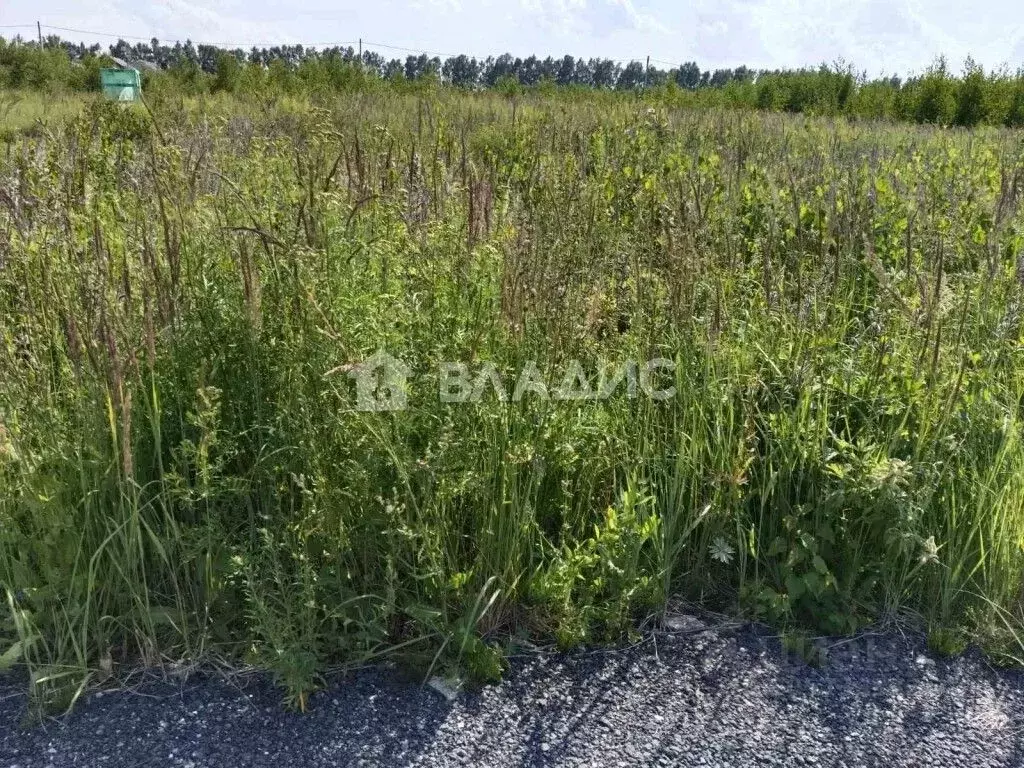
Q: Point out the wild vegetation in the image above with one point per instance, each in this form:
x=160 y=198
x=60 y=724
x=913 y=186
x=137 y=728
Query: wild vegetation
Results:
x=936 y=96
x=185 y=474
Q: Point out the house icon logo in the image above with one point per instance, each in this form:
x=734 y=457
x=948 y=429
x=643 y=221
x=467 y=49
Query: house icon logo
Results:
x=381 y=383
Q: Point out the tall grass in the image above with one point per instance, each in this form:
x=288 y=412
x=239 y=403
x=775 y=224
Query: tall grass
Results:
x=185 y=471
x=23 y=110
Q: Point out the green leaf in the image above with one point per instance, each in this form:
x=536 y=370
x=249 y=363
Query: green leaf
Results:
x=794 y=586
x=813 y=582
x=11 y=656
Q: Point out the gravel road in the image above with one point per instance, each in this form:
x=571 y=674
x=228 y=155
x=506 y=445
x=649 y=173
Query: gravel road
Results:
x=721 y=697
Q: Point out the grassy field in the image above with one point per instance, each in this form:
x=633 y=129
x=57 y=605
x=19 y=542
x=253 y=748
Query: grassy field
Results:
x=186 y=473
x=25 y=111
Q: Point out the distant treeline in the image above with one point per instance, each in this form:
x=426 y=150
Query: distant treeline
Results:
x=938 y=96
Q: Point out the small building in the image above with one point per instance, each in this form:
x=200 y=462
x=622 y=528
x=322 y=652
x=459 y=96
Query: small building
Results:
x=121 y=84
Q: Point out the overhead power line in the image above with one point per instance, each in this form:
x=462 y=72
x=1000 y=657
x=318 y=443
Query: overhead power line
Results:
x=244 y=45
x=453 y=55
x=178 y=38
x=264 y=44
x=410 y=50
x=98 y=34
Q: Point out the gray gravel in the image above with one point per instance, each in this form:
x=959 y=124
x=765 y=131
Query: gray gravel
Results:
x=721 y=697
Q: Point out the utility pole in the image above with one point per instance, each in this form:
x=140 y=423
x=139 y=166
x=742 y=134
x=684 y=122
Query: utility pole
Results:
x=39 y=30
x=647 y=72
x=360 y=52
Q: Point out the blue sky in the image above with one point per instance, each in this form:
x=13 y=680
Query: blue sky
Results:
x=879 y=36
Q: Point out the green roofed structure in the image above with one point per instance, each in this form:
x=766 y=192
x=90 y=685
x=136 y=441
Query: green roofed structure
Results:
x=121 y=84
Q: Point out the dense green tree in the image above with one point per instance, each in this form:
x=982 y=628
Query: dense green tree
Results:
x=970 y=97
x=227 y=71
x=633 y=76
x=1015 y=109
x=604 y=73
x=461 y=71
x=935 y=96
x=688 y=75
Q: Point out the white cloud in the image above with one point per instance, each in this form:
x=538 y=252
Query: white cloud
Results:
x=880 y=36
x=597 y=18
x=443 y=6
x=645 y=22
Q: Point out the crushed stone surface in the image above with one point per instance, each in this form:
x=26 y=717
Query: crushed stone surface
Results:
x=692 y=697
